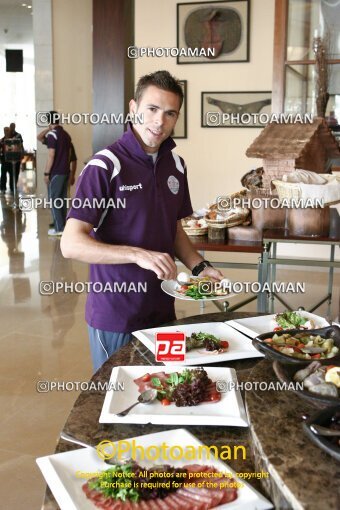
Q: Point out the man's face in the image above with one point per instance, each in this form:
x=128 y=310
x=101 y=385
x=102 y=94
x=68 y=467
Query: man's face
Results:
x=160 y=109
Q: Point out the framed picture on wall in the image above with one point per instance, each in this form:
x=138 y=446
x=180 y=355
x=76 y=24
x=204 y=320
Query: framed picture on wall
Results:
x=213 y=32
x=235 y=109
x=180 y=130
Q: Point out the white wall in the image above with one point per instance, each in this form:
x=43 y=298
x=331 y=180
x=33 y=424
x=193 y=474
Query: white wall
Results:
x=17 y=89
x=63 y=64
x=215 y=157
x=43 y=63
x=72 y=68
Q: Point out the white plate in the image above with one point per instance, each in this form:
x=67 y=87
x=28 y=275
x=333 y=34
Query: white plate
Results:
x=254 y=326
x=228 y=411
x=170 y=286
x=59 y=471
x=240 y=347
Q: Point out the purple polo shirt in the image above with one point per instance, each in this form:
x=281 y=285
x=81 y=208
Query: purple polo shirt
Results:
x=156 y=196
x=59 y=140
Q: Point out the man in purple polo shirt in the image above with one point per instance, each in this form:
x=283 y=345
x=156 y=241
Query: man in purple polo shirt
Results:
x=132 y=243
x=57 y=171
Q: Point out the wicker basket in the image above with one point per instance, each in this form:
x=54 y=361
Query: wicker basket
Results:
x=215 y=223
x=292 y=190
x=287 y=190
x=191 y=231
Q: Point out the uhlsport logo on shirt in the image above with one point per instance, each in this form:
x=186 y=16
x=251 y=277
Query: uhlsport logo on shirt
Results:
x=170 y=346
x=130 y=187
x=173 y=184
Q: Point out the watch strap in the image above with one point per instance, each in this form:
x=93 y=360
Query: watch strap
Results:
x=200 y=267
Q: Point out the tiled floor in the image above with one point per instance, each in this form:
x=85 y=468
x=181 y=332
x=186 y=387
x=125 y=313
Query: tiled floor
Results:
x=45 y=338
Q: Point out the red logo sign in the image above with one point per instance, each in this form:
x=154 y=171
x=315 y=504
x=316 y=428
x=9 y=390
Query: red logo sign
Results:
x=170 y=346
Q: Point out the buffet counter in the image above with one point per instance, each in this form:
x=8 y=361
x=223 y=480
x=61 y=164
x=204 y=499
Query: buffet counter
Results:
x=300 y=475
x=268 y=261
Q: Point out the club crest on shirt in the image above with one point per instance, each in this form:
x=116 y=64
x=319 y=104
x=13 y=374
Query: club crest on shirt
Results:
x=173 y=184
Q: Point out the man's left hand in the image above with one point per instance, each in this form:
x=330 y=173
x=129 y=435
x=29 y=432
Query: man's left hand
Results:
x=47 y=179
x=212 y=272
x=71 y=180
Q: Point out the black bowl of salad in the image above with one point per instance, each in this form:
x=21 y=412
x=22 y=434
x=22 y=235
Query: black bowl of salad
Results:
x=329 y=418
x=301 y=346
x=316 y=383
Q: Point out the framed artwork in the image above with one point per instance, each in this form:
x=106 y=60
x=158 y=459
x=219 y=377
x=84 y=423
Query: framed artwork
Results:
x=235 y=109
x=180 y=130
x=213 y=32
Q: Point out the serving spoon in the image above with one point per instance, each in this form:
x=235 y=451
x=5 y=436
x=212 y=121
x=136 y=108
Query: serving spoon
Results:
x=146 y=397
x=324 y=431
x=114 y=461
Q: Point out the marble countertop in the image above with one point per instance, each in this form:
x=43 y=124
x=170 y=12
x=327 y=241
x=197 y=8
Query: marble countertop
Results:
x=275 y=426
x=302 y=476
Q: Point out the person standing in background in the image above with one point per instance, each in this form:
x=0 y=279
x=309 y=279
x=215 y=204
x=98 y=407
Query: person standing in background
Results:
x=17 y=136
x=5 y=165
x=57 y=171
x=42 y=137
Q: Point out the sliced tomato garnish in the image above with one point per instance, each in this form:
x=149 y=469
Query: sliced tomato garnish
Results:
x=296 y=349
x=165 y=402
x=328 y=367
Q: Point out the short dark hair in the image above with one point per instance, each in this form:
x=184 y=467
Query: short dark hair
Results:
x=53 y=117
x=161 y=79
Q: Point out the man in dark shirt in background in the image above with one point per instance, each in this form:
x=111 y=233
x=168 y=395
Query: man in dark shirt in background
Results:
x=5 y=166
x=57 y=171
x=14 y=134
x=42 y=137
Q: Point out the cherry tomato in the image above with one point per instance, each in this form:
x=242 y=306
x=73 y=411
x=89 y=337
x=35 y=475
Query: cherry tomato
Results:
x=268 y=340
x=278 y=328
x=296 y=349
x=214 y=397
x=146 y=378
x=165 y=402
x=329 y=367
x=224 y=344
x=316 y=356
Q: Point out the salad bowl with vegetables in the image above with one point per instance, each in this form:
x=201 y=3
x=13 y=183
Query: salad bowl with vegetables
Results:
x=296 y=346
x=318 y=384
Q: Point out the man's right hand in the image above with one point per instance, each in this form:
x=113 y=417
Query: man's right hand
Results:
x=161 y=263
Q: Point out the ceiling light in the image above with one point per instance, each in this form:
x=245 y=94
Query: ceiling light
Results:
x=24 y=5
x=29 y=7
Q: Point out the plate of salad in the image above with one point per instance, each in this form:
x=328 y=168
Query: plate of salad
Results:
x=73 y=477
x=300 y=319
x=206 y=342
x=196 y=289
x=185 y=396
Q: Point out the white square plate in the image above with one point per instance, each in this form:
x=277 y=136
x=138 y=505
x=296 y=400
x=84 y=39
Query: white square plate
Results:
x=59 y=471
x=240 y=347
x=254 y=326
x=228 y=411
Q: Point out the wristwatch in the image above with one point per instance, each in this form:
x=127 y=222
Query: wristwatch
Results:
x=200 y=267
x=46 y=174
